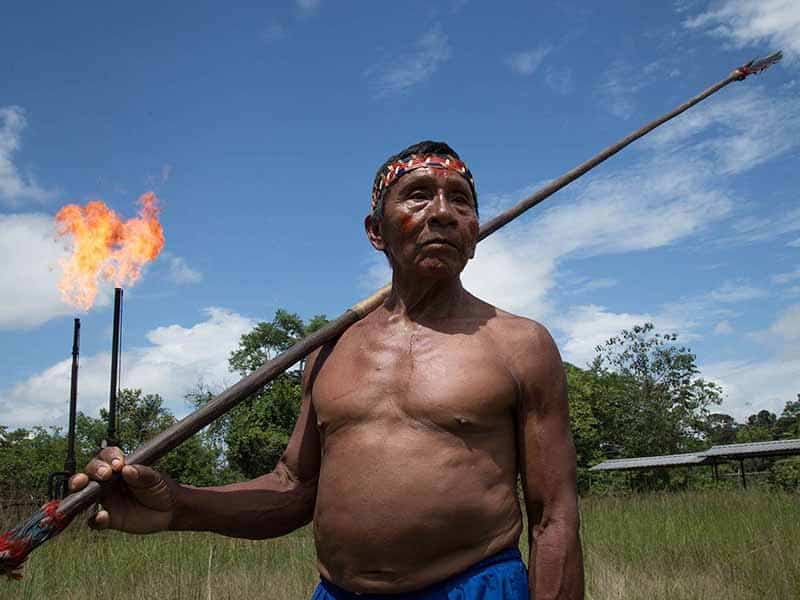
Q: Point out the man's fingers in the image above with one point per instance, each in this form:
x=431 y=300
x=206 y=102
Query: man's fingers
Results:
x=98 y=518
x=113 y=456
x=99 y=470
x=78 y=482
x=101 y=520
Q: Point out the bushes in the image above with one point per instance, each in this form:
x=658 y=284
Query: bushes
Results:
x=785 y=474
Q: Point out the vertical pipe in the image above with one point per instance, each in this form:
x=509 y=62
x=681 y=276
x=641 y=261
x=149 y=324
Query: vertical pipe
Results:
x=111 y=437
x=69 y=464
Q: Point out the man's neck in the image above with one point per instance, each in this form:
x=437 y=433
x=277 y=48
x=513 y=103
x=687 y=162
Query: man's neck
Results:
x=424 y=300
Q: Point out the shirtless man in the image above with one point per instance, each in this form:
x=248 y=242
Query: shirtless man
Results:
x=413 y=429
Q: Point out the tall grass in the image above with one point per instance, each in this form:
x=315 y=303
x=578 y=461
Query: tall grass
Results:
x=706 y=545
x=714 y=544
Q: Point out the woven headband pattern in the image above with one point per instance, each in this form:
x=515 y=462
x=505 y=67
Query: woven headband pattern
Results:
x=399 y=168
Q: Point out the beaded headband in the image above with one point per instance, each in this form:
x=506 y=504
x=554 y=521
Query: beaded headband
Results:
x=397 y=169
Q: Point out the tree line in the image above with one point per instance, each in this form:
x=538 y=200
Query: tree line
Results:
x=642 y=395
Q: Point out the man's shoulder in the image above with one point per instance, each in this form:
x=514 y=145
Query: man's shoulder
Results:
x=527 y=345
x=519 y=333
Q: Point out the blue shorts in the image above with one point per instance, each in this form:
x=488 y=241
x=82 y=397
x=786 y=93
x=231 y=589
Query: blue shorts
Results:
x=502 y=576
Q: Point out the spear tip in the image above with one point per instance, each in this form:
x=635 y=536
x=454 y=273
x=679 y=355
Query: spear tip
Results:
x=757 y=65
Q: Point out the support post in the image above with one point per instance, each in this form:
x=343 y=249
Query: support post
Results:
x=741 y=470
x=111 y=436
x=58 y=482
x=69 y=463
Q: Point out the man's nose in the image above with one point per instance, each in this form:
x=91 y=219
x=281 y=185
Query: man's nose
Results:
x=441 y=210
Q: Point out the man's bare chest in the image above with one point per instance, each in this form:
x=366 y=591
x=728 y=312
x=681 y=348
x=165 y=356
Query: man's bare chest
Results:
x=426 y=379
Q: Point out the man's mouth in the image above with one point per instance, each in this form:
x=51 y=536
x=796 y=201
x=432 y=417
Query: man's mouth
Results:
x=440 y=242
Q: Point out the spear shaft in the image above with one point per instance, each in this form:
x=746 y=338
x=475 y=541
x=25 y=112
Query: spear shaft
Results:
x=169 y=439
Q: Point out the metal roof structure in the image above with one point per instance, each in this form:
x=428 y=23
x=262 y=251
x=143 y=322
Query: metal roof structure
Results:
x=648 y=462
x=753 y=449
x=710 y=456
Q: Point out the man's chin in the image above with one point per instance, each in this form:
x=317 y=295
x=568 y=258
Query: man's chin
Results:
x=438 y=268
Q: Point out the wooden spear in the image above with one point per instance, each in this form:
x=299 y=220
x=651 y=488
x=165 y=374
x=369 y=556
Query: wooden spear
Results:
x=19 y=542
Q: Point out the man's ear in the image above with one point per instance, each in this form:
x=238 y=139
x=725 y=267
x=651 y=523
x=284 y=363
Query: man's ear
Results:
x=373 y=229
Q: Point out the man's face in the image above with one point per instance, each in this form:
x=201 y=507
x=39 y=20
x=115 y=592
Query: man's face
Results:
x=429 y=225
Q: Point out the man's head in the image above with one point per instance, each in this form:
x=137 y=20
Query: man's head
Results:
x=424 y=214
x=392 y=169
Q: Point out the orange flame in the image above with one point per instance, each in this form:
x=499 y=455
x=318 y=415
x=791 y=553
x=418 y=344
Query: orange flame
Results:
x=105 y=247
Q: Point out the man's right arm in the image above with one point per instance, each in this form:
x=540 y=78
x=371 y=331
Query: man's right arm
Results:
x=268 y=506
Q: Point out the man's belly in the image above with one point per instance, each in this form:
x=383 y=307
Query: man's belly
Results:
x=399 y=508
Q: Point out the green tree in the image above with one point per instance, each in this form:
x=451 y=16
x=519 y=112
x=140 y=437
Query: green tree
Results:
x=255 y=433
x=655 y=402
x=788 y=424
x=27 y=457
x=759 y=427
x=720 y=428
x=582 y=391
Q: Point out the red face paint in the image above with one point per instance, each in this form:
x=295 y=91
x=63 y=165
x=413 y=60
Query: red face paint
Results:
x=406 y=224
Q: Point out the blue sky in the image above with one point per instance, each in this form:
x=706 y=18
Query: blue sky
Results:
x=260 y=128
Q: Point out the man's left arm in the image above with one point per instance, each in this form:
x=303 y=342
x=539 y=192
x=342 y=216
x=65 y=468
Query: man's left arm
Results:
x=547 y=467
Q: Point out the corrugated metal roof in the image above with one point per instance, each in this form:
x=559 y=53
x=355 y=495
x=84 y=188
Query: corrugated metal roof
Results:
x=646 y=462
x=777 y=447
x=755 y=448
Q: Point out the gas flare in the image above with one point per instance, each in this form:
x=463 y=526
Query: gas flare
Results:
x=106 y=247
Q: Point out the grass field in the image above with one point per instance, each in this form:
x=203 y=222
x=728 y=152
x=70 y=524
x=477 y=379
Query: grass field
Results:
x=709 y=545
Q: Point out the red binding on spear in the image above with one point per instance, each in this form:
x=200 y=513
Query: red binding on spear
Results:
x=17 y=544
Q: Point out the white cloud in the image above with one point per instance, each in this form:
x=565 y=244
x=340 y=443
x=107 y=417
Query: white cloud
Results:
x=757 y=229
x=618 y=88
x=525 y=63
x=794 y=243
x=787 y=329
x=378 y=272
x=432 y=50
x=735 y=144
x=175 y=360
x=788 y=277
x=775 y=23
x=588 y=326
x=180 y=272
x=580 y=284
x=504 y=274
x=560 y=80
x=736 y=292
x=768 y=383
x=30 y=274
x=13 y=185
x=751 y=386
x=655 y=204
x=723 y=328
